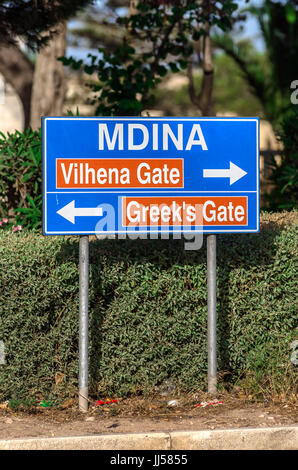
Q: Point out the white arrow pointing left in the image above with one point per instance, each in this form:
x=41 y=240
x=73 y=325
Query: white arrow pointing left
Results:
x=69 y=212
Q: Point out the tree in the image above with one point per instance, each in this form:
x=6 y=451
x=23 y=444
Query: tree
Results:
x=270 y=77
x=18 y=70
x=229 y=94
x=49 y=87
x=97 y=25
x=34 y=22
x=271 y=74
x=28 y=19
x=159 y=38
x=204 y=99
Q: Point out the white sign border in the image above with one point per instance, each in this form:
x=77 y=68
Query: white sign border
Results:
x=141 y=232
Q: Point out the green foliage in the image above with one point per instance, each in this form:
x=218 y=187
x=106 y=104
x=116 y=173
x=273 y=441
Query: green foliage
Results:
x=284 y=174
x=30 y=216
x=158 y=31
x=20 y=177
x=229 y=95
x=148 y=313
x=232 y=95
x=28 y=19
x=269 y=76
x=22 y=404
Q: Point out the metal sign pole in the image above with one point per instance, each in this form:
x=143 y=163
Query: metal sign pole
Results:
x=211 y=286
x=83 y=322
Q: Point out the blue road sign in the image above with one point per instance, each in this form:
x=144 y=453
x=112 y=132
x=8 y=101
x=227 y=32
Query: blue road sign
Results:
x=128 y=175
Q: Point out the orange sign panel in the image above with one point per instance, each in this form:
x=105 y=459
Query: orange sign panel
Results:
x=184 y=211
x=76 y=173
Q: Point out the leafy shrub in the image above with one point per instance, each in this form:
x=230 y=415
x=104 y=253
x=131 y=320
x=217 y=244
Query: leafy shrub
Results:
x=285 y=174
x=148 y=313
x=20 y=177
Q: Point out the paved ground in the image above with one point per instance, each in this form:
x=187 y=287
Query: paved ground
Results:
x=272 y=438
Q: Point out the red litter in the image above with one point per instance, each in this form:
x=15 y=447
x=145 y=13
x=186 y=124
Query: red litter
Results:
x=107 y=402
x=205 y=403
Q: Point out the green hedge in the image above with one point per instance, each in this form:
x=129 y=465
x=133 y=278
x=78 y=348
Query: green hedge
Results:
x=147 y=312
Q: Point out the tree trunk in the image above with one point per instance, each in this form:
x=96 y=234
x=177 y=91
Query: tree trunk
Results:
x=206 y=95
x=18 y=71
x=49 y=79
x=203 y=100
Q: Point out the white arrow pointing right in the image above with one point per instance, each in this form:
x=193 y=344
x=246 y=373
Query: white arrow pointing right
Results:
x=234 y=173
x=69 y=212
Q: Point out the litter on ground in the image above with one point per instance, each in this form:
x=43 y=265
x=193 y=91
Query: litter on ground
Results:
x=206 y=403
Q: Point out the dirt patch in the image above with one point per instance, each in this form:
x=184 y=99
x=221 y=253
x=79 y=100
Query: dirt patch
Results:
x=145 y=415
